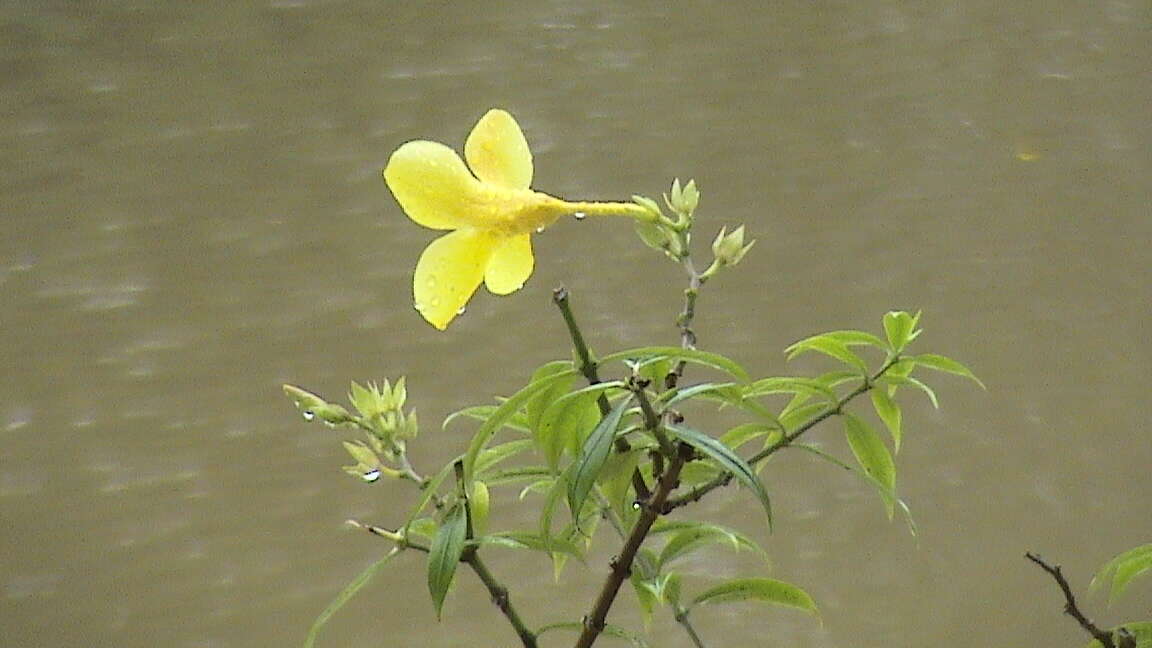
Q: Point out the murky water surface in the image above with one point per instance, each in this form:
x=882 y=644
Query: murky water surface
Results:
x=193 y=214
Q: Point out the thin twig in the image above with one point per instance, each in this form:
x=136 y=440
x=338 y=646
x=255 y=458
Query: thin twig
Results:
x=622 y=563
x=470 y=557
x=1070 y=607
x=590 y=370
x=682 y=618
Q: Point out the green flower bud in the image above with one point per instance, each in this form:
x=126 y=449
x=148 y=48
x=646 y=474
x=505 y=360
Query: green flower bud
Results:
x=729 y=248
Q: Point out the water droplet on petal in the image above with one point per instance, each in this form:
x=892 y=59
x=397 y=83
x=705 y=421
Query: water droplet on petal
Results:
x=460 y=311
x=308 y=415
x=371 y=475
x=580 y=215
x=540 y=230
x=419 y=306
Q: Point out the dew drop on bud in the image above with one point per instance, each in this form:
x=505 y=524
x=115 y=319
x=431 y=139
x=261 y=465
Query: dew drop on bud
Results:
x=579 y=215
x=308 y=415
x=371 y=475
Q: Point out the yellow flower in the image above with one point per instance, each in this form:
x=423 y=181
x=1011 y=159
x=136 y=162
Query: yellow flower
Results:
x=492 y=214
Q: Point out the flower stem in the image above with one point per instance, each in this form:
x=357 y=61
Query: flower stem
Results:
x=631 y=210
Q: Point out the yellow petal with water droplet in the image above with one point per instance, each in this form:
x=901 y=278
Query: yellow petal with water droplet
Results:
x=449 y=271
x=510 y=265
x=497 y=151
x=432 y=184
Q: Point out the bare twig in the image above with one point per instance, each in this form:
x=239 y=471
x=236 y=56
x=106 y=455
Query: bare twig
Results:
x=1070 y=607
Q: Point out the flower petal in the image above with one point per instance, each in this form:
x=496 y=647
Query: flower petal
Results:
x=432 y=184
x=497 y=151
x=510 y=265
x=449 y=271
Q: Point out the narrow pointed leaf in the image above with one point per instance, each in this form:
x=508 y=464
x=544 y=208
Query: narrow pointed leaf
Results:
x=873 y=457
x=583 y=471
x=830 y=347
x=444 y=555
x=1123 y=568
x=889 y=412
x=945 y=364
x=652 y=353
x=346 y=595
x=536 y=406
x=504 y=413
x=727 y=459
x=857 y=338
x=758 y=589
x=789 y=385
x=566 y=417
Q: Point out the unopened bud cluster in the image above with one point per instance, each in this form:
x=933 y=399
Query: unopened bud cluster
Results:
x=379 y=413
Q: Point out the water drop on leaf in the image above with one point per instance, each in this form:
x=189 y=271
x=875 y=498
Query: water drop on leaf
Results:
x=308 y=415
x=371 y=475
x=579 y=215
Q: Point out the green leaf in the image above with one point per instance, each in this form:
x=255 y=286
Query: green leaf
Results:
x=1141 y=630
x=483 y=413
x=533 y=541
x=873 y=457
x=909 y=380
x=582 y=472
x=444 y=555
x=727 y=392
x=830 y=458
x=945 y=364
x=479 y=503
x=670 y=588
x=757 y=589
x=830 y=347
x=789 y=385
x=616 y=479
x=857 y=338
x=647 y=595
x=536 y=405
x=567 y=418
x=346 y=595
x=513 y=475
x=900 y=327
x=657 y=353
x=490 y=457
x=695 y=535
x=1123 y=568
x=429 y=491
x=504 y=413
x=615 y=632
x=794 y=418
x=741 y=434
x=889 y=412
x=727 y=459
